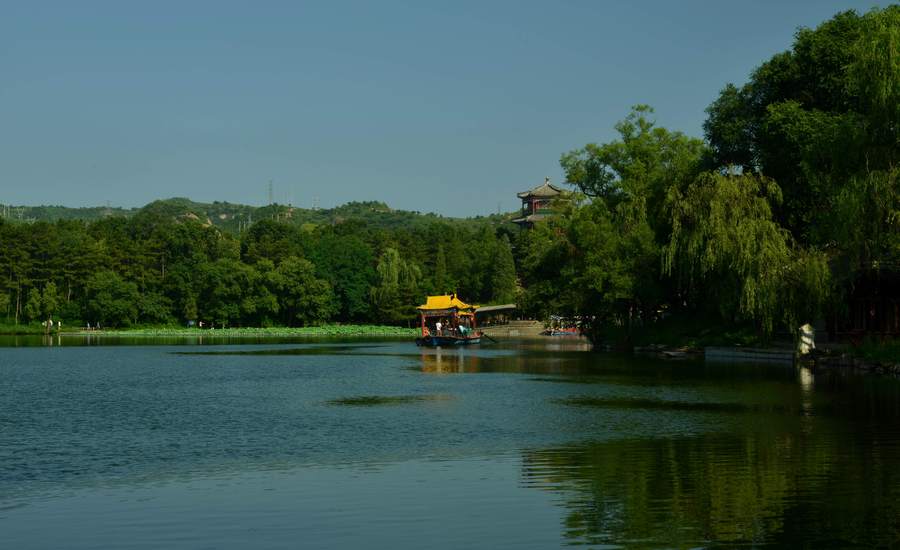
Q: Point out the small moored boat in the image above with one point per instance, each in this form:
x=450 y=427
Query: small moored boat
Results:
x=560 y=326
x=567 y=331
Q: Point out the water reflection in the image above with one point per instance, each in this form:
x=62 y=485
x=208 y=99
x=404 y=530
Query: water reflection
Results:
x=761 y=487
x=626 y=450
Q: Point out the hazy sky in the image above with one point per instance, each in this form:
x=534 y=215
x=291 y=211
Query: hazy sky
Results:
x=450 y=107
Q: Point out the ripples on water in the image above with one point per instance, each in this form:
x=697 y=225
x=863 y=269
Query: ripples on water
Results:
x=533 y=444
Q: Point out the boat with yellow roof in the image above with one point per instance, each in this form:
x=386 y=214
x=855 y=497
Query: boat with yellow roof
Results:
x=447 y=321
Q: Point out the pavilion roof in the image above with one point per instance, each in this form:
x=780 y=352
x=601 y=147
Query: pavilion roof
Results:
x=545 y=190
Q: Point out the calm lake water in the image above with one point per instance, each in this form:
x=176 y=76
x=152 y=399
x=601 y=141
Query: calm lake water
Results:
x=383 y=445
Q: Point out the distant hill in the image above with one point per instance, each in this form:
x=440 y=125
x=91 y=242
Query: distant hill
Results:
x=233 y=217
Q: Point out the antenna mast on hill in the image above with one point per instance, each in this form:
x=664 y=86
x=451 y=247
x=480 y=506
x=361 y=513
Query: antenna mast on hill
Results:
x=271 y=194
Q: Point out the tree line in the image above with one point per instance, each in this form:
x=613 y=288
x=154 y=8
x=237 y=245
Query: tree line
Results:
x=790 y=200
x=770 y=221
x=156 y=268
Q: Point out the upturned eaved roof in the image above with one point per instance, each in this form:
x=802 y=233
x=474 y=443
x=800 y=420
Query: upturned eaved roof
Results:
x=547 y=189
x=446 y=301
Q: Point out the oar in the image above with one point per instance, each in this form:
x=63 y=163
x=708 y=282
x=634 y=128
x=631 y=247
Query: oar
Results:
x=489 y=338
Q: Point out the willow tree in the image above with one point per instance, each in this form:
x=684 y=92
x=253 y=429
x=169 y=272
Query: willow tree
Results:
x=869 y=203
x=396 y=295
x=726 y=244
x=823 y=120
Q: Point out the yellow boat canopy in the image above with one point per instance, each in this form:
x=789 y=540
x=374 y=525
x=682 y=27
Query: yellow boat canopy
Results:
x=445 y=302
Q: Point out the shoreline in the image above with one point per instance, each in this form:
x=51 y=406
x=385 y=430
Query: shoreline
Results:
x=243 y=332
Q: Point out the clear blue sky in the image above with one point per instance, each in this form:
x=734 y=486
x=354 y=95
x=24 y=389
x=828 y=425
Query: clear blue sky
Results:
x=450 y=107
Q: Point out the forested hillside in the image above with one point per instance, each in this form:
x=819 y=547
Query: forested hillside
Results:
x=170 y=263
x=234 y=218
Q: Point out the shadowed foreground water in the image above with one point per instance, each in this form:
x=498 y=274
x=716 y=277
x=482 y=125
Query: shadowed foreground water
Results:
x=380 y=444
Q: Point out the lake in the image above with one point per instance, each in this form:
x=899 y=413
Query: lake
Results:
x=379 y=444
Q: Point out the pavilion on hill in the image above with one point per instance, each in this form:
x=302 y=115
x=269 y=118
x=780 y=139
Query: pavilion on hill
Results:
x=536 y=203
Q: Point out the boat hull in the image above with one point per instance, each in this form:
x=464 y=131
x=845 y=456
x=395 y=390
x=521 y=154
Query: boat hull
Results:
x=448 y=341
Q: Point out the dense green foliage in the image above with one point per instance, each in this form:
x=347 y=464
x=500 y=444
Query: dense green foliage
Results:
x=792 y=198
x=822 y=120
x=160 y=266
x=235 y=218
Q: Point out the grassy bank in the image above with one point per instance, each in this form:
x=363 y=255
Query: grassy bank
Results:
x=21 y=329
x=256 y=332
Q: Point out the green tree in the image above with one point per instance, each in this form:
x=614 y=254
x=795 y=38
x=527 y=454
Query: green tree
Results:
x=305 y=299
x=49 y=303
x=601 y=260
x=261 y=301
x=503 y=273
x=396 y=295
x=225 y=295
x=4 y=304
x=725 y=242
x=271 y=240
x=111 y=300
x=633 y=173
x=441 y=285
x=190 y=308
x=155 y=308
x=583 y=263
x=33 y=305
x=815 y=117
x=346 y=262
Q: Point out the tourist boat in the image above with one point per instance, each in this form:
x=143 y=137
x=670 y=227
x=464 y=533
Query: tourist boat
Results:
x=447 y=321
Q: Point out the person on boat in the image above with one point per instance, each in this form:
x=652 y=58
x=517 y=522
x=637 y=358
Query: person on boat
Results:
x=438 y=326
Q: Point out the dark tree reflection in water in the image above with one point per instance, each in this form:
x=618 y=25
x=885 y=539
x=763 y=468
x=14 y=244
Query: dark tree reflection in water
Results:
x=829 y=477
x=383 y=444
